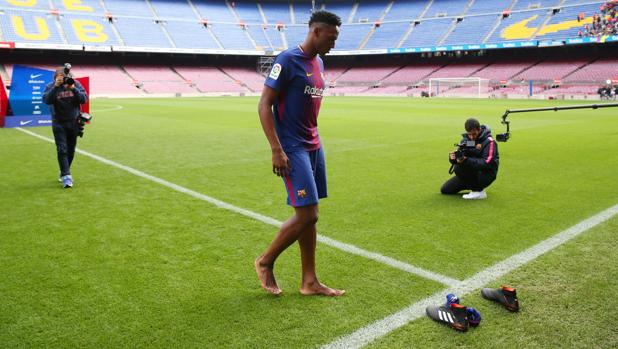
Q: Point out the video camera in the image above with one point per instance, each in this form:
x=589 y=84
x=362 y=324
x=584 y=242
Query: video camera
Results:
x=463 y=148
x=82 y=120
x=68 y=77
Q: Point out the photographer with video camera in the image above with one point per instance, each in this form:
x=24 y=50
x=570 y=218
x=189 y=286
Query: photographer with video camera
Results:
x=475 y=162
x=65 y=96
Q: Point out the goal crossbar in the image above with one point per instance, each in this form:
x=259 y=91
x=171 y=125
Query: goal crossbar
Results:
x=464 y=86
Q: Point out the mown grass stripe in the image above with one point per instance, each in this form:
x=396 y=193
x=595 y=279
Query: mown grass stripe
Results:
x=267 y=220
x=380 y=328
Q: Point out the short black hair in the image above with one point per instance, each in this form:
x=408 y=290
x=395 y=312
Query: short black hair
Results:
x=472 y=124
x=325 y=17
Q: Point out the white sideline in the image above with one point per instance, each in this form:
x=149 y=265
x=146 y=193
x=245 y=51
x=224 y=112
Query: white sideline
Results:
x=445 y=280
x=368 y=334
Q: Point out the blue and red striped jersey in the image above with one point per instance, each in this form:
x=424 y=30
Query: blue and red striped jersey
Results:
x=299 y=81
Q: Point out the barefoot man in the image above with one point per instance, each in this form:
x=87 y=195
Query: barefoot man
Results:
x=288 y=110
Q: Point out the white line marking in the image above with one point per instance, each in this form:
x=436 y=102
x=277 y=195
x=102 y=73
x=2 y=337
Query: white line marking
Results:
x=369 y=333
x=118 y=107
x=271 y=221
x=389 y=261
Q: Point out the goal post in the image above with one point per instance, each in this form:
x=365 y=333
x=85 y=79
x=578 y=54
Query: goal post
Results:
x=459 y=87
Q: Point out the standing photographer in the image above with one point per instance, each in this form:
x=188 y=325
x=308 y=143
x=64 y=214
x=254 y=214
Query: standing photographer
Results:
x=65 y=96
x=475 y=162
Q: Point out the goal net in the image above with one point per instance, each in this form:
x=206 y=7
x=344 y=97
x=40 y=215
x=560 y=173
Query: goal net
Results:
x=459 y=87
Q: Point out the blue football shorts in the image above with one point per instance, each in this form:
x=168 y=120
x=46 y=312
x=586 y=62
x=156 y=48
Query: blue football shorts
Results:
x=306 y=182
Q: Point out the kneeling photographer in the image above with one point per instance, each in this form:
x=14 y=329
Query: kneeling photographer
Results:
x=65 y=96
x=475 y=162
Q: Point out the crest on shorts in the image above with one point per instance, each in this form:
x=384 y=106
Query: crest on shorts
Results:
x=275 y=71
x=301 y=193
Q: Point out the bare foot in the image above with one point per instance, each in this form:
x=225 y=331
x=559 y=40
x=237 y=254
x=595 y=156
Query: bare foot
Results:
x=267 y=277
x=318 y=288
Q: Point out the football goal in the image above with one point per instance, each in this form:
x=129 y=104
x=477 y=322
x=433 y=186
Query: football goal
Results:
x=459 y=87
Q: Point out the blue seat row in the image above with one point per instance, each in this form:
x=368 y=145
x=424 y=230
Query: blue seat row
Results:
x=275 y=25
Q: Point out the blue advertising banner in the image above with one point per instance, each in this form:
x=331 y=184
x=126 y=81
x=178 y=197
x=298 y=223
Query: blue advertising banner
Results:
x=551 y=43
x=592 y=39
x=26 y=97
x=510 y=44
x=27 y=121
x=464 y=47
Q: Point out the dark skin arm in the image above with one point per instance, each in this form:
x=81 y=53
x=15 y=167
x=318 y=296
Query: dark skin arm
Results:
x=281 y=164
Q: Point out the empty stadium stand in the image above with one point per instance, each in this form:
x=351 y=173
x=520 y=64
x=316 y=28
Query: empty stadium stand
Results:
x=552 y=69
x=258 y=27
x=381 y=75
x=367 y=74
x=210 y=80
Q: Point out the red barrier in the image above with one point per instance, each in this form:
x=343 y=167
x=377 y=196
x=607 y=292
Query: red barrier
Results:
x=85 y=81
x=4 y=102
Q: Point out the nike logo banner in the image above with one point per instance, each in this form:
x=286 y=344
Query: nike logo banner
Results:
x=26 y=100
x=27 y=86
x=27 y=121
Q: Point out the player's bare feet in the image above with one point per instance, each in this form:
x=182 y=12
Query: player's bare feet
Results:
x=267 y=277
x=318 y=288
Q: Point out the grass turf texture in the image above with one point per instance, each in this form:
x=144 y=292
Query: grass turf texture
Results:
x=566 y=300
x=119 y=261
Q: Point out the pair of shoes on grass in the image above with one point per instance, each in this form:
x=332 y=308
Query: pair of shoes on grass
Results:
x=460 y=317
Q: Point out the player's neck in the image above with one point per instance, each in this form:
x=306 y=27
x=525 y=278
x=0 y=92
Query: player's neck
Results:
x=303 y=48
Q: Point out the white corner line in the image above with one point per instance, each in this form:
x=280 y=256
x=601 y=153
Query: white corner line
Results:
x=370 y=333
x=408 y=268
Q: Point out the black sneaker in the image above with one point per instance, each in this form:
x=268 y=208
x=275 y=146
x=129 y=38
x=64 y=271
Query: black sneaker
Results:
x=507 y=296
x=455 y=316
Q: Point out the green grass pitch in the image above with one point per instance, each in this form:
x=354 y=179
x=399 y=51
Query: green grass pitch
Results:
x=122 y=262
